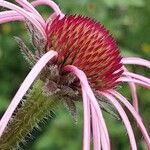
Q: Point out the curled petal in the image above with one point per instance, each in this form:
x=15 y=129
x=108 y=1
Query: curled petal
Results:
x=135 y=115
x=24 y=87
x=124 y=118
x=31 y=17
x=25 y=4
x=50 y=3
x=8 y=16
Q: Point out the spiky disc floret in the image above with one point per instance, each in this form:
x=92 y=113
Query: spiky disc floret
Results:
x=86 y=44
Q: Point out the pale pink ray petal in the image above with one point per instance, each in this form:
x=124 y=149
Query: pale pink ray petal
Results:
x=25 y=4
x=31 y=17
x=8 y=13
x=99 y=123
x=87 y=122
x=84 y=83
x=133 y=93
x=137 y=76
x=135 y=115
x=8 y=16
x=96 y=130
x=104 y=139
x=51 y=18
x=124 y=118
x=128 y=79
x=11 y=15
x=24 y=87
x=134 y=96
x=50 y=3
x=10 y=19
x=136 y=61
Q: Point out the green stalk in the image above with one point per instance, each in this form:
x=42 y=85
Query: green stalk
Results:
x=36 y=107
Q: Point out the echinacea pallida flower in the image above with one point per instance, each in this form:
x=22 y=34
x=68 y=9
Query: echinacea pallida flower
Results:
x=78 y=57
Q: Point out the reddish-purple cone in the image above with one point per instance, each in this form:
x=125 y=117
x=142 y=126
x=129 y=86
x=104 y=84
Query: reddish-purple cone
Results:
x=86 y=44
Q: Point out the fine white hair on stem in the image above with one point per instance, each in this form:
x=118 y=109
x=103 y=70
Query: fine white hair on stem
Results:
x=135 y=114
x=29 y=16
x=128 y=79
x=136 y=61
x=124 y=118
x=24 y=87
x=85 y=85
x=50 y=3
x=132 y=87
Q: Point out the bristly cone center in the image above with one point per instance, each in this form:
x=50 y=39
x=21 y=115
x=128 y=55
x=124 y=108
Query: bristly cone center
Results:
x=86 y=44
x=79 y=41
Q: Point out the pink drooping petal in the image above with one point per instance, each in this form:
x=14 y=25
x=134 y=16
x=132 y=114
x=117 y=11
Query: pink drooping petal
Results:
x=100 y=121
x=87 y=122
x=24 y=87
x=51 y=4
x=14 y=14
x=134 y=96
x=95 y=125
x=96 y=130
x=137 y=76
x=31 y=17
x=85 y=85
x=98 y=133
x=124 y=118
x=136 y=61
x=51 y=18
x=26 y=5
x=135 y=115
x=9 y=16
x=128 y=79
x=133 y=93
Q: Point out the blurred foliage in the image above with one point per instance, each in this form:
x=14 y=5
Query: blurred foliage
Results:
x=129 y=23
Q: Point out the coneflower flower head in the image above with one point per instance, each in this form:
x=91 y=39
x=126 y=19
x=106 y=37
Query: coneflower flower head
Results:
x=78 y=57
x=86 y=44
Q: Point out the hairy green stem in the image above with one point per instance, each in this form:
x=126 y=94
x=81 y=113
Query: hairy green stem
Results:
x=32 y=110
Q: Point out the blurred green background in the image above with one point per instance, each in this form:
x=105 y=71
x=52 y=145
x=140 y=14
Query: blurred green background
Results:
x=129 y=23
